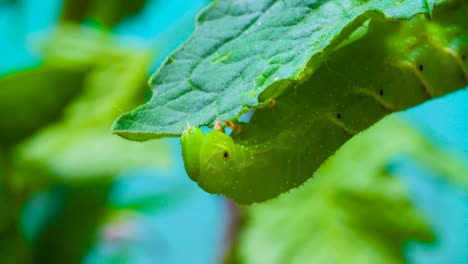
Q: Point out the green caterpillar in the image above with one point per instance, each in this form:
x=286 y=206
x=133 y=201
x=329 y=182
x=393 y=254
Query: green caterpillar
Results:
x=396 y=65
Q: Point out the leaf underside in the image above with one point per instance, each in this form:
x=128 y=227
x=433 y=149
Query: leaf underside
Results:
x=244 y=53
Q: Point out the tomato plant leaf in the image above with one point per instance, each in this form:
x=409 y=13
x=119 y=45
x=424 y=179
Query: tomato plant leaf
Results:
x=393 y=67
x=242 y=49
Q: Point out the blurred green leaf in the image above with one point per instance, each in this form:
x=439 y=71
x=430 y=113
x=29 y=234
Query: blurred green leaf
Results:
x=13 y=248
x=33 y=98
x=80 y=145
x=106 y=13
x=72 y=232
x=75 y=10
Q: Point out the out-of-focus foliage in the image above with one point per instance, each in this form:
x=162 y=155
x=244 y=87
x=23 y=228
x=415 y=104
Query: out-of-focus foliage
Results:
x=32 y=98
x=80 y=145
x=60 y=165
x=353 y=211
x=152 y=219
x=72 y=232
x=13 y=248
x=106 y=13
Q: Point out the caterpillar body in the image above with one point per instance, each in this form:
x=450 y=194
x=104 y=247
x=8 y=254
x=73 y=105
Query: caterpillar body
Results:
x=396 y=65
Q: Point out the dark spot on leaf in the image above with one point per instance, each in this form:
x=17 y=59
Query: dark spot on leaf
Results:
x=421 y=68
x=338 y=115
x=273 y=104
x=464 y=57
x=226 y=155
x=381 y=92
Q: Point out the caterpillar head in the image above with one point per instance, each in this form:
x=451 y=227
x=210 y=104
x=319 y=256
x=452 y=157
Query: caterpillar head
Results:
x=211 y=160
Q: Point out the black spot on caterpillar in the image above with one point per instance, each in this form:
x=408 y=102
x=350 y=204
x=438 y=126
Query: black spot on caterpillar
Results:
x=282 y=147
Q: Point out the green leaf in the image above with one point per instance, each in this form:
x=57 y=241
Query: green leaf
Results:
x=354 y=211
x=242 y=49
x=79 y=213
x=33 y=98
x=396 y=65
